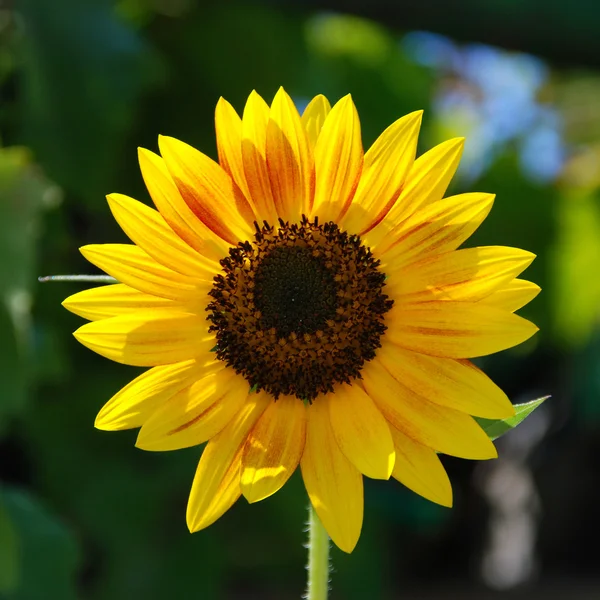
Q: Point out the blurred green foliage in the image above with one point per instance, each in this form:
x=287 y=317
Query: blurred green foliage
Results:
x=83 y=514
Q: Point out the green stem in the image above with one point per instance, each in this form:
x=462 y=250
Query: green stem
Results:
x=318 y=558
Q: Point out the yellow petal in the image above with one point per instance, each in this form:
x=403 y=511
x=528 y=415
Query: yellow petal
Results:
x=467 y=274
x=217 y=482
x=208 y=191
x=198 y=412
x=254 y=144
x=314 y=116
x=428 y=178
x=419 y=469
x=438 y=427
x=386 y=165
x=175 y=211
x=133 y=405
x=457 y=384
x=113 y=300
x=289 y=161
x=361 y=431
x=456 y=329
x=273 y=448
x=513 y=295
x=147 y=229
x=333 y=483
x=148 y=338
x=338 y=162
x=440 y=227
x=133 y=267
x=228 y=126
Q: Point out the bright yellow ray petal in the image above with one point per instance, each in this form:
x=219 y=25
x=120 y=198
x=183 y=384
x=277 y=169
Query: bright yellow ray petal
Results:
x=148 y=338
x=147 y=229
x=333 y=483
x=457 y=384
x=177 y=214
x=361 y=431
x=440 y=227
x=217 y=481
x=133 y=405
x=438 y=427
x=113 y=300
x=197 y=413
x=254 y=143
x=132 y=266
x=273 y=448
x=289 y=160
x=513 y=295
x=468 y=274
x=456 y=329
x=314 y=116
x=208 y=191
x=428 y=178
x=228 y=127
x=338 y=162
x=419 y=469
x=386 y=165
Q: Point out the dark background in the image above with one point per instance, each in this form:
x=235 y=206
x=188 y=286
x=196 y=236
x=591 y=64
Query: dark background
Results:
x=83 y=514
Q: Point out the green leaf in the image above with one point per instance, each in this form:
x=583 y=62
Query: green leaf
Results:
x=48 y=553
x=494 y=428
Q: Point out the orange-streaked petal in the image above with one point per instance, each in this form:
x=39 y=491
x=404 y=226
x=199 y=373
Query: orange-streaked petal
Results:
x=513 y=295
x=289 y=160
x=133 y=405
x=314 y=116
x=338 y=162
x=361 y=431
x=197 y=413
x=133 y=267
x=208 y=191
x=438 y=427
x=217 y=481
x=148 y=338
x=228 y=127
x=333 y=483
x=386 y=165
x=456 y=329
x=254 y=155
x=147 y=229
x=112 y=300
x=468 y=274
x=440 y=227
x=175 y=211
x=273 y=448
x=419 y=469
x=457 y=384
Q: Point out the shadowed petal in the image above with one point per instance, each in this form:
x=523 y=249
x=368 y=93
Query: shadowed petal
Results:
x=333 y=483
x=361 y=431
x=419 y=469
x=273 y=448
x=217 y=481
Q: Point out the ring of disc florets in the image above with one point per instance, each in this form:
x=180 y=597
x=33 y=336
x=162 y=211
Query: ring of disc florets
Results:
x=300 y=349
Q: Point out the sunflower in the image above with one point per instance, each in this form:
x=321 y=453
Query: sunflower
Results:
x=303 y=303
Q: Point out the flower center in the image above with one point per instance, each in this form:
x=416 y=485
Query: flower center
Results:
x=294 y=290
x=299 y=309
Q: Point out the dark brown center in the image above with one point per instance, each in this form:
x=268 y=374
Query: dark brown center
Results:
x=299 y=309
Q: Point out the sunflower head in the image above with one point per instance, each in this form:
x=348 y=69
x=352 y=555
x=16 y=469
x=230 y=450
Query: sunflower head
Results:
x=303 y=303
